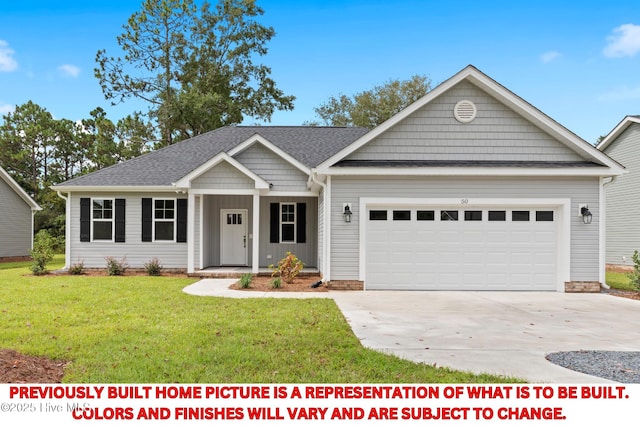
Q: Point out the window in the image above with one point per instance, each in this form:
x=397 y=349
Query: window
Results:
x=448 y=215
x=402 y=215
x=544 y=215
x=377 y=215
x=102 y=219
x=520 y=216
x=425 y=216
x=473 y=215
x=497 y=215
x=164 y=218
x=287 y=223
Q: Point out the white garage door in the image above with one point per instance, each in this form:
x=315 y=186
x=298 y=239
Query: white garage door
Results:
x=434 y=248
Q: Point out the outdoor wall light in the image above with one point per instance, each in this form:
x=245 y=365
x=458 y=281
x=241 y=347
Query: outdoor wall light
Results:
x=586 y=215
x=347 y=212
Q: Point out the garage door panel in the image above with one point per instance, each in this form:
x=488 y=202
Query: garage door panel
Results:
x=459 y=255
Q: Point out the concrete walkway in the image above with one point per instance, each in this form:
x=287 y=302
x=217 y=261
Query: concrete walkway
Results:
x=504 y=333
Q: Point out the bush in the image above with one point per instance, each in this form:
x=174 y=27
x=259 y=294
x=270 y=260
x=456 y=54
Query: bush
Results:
x=287 y=268
x=115 y=267
x=634 y=276
x=42 y=252
x=153 y=267
x=275 y=283
x=77 y=268
x=245 y=280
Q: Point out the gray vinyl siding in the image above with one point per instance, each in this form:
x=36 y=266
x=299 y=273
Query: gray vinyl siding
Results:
x=223 y=176
x=211 y=225
x=134 y=250
x=345 y=236
x=273 y=168
x=271 y=253
x=15 y=223
x=623 y=203
x=433 y=133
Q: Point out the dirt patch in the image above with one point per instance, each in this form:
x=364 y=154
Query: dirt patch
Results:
x=300 y=284
x=17 y=368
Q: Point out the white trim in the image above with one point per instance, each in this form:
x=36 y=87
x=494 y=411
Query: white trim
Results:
x=115 y=188
x=503 y=95
x=190 y=232
x=563 y=205
x=267 y=144
x=223 y=192
x=327 y=227
x=19 y=190
x=294 y=222
x=185 y=182
x=112 y=220
x=201 y=197
x=255 y=235
x=174 y=220
x=245 y=215
x=470 y=171
x=292 y=194
x=615 y=133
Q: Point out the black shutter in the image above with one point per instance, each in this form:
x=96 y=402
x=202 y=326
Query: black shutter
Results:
x=274 y=220
x=120 y=220
x=147 y=220
x=181 y=231
x=85 y=219
x=301 y=222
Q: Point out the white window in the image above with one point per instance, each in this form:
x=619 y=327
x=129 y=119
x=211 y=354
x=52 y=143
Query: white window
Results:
x=102 y=219
x=287 y=222
x=164 y=219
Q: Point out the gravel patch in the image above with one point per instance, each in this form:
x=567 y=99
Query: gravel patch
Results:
x=619 y=366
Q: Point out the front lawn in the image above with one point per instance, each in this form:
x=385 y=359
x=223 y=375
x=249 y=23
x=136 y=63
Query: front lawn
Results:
x=146 y=330
x=619 y=281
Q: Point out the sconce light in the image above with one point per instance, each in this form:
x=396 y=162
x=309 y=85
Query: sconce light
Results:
x=586 y=214
x=347 y=212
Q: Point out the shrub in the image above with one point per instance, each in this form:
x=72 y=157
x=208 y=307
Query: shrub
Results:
x=287 y=268
x=77 y=268
x=115 y=267
x=634 y=276
x=153 y=267
x=275 y=283
x=245 y=280
x=42 y=252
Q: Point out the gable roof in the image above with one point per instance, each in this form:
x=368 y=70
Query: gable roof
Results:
x=307 y=145
x=502 y=94
x=19 y=190
x=615 y=133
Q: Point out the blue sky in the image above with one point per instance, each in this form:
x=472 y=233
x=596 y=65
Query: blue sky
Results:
x=579 y=62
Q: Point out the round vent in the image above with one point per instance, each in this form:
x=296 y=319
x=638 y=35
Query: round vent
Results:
x=465 y=111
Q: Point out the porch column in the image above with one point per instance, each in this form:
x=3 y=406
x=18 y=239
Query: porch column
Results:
x=255 y=245
x=191 y=207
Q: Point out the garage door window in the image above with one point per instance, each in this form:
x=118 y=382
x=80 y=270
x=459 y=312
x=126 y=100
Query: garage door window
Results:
x=473 y=215
x=497 y=215
x=402 y=215
x=377 y=215
x=425 y=216
x=448 y=215
x=520 y=216
x=544 y=215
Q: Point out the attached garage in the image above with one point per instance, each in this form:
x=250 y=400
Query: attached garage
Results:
x=463 y=247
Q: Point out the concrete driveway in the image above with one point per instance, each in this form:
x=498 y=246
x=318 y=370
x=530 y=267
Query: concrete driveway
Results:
x=504 y=333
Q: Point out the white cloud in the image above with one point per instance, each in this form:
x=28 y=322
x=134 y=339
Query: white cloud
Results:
x=6 y=109
x=624 y=41
x=69 y=70
x=550 y=56
x=7 y=63
x=623 y=93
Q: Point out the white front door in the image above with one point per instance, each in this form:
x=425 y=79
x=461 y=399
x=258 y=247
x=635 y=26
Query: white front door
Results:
x=233 y=237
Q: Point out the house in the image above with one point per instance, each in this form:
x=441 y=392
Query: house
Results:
x=622 y=224
x=16 y=219
x=469 y=188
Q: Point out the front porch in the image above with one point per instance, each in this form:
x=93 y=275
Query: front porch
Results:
x=233 y=272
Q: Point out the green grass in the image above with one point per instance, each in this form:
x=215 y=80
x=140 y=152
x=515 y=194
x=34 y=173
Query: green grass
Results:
x=146 y=330
x=619 y=281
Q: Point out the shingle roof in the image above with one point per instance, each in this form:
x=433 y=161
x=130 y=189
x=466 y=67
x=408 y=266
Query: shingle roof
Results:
x=309 y=145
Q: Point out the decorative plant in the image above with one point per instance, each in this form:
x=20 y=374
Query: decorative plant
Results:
x=115 y=267
x=634 y=276
x=245 y=280
x=42 y=252
x=287 y=268
x=153 y=267
x=77 y=268
x=275 y=283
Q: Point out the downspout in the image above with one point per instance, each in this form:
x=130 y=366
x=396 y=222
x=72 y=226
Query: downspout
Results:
x=67 y=230
x=603 y=243
x=313 y=177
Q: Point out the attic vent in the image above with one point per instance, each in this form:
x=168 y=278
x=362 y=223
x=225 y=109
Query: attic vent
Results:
x=464 y=111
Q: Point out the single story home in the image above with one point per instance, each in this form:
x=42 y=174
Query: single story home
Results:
x=468 y=188
x=17 y=209
x=622 y=223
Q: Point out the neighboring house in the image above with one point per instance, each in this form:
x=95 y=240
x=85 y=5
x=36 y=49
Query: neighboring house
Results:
x=622 y=222
x=16 y=218
x=469 y=188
